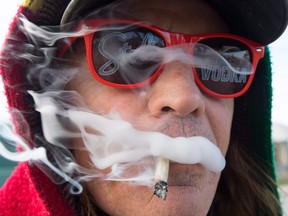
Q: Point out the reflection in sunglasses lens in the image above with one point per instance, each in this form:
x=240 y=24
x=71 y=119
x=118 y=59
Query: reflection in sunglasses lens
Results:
x=227 y=72
x=113 y=54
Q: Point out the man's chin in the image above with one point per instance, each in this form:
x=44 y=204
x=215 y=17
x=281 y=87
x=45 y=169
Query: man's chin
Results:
x=181 y=200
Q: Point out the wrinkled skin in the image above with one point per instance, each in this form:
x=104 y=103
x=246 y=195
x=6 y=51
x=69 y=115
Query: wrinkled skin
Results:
x=173 y=105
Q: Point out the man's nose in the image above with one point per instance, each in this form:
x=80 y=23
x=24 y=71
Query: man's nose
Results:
x=176 y=92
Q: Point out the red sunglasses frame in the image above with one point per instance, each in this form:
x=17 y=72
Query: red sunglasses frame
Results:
x=170 y=39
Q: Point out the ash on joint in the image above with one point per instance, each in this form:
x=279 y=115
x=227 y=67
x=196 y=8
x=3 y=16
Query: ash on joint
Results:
x=161 y=189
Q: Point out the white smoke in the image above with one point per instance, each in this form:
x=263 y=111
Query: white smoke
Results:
x=111 y=142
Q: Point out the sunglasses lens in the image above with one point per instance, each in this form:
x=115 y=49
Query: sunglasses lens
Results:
x=122 y=54
x=224 y=65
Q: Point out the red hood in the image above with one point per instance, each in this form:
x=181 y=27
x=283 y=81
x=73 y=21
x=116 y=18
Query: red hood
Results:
x=23 y=195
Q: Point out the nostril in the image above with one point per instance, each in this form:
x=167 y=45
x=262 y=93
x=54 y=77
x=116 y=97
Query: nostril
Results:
x=166 y=109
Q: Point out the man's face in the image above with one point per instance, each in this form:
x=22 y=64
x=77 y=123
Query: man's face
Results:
x=174 y=105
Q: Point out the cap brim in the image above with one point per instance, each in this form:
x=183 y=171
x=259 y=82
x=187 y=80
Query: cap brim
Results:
x=260 y=20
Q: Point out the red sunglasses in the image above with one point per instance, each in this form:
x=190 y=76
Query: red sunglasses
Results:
x=129 y=54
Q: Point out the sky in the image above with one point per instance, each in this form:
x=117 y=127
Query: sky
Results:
x=279 y=53
x=6 y=14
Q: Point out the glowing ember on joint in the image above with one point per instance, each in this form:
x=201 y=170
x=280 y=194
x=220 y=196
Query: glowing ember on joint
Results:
x=161 y=178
